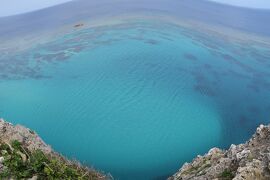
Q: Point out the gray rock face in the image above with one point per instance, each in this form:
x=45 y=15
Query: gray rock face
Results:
x=32 y=142
x=1 y=164
x=9 y=132
x=249 y=161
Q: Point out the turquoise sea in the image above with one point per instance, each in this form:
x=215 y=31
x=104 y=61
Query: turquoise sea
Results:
x=138 y=99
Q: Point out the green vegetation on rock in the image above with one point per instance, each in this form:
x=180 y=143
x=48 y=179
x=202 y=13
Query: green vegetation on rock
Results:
x=249 y=160
x=227 y=174
x=20 y=163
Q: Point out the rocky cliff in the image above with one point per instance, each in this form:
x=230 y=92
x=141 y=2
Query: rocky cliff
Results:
x=24 y=155
x=249 y=161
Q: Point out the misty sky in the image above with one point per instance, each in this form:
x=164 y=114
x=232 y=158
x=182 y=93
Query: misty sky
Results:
x=247 y=3
x=11 y=7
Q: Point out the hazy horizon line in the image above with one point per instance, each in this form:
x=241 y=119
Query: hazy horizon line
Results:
x=59 y=2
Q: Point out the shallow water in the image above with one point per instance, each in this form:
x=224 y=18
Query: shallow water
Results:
x=138 y=99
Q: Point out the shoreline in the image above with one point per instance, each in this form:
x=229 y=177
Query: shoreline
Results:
x=249 y=160
x=23 y=146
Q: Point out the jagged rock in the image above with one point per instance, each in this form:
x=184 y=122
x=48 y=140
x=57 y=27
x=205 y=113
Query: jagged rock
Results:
x=24 y=135
x=33 y=178
x=252 y=171
x=23 y=156
x=1 y=160
x=30 y=142
x=249 y=161
x=1 y=163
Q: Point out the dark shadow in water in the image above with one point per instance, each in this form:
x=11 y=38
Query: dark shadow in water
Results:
x=190 y=56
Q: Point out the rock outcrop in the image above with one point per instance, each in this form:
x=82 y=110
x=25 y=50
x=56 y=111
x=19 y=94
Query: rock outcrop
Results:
x=24 y=155
x=249 y=161
x=29 y=138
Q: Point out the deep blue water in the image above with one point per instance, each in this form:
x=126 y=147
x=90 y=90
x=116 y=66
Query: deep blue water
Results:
x=138 y=99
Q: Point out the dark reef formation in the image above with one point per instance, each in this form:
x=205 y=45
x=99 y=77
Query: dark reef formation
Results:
x=249 y=161
x=24 y=155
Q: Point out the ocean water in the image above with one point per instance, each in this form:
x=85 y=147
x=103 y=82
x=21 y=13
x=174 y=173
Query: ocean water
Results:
x=138 y=99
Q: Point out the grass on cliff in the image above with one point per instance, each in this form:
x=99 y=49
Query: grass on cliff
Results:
x=227 y=175
x=19 y=163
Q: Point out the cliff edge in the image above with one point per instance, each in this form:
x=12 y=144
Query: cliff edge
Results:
x=24 y=155
x=249 y=161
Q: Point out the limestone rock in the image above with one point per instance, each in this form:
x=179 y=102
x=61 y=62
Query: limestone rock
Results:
x=249 y=161
x=24 y=135
x=30 y=142
x=1 y=160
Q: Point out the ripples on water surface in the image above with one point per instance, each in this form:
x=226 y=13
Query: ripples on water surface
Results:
x=138 y=99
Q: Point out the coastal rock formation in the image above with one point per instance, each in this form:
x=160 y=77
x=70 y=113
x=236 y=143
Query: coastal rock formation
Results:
x=29 y=138
x=249 y=161
x=24 y=155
